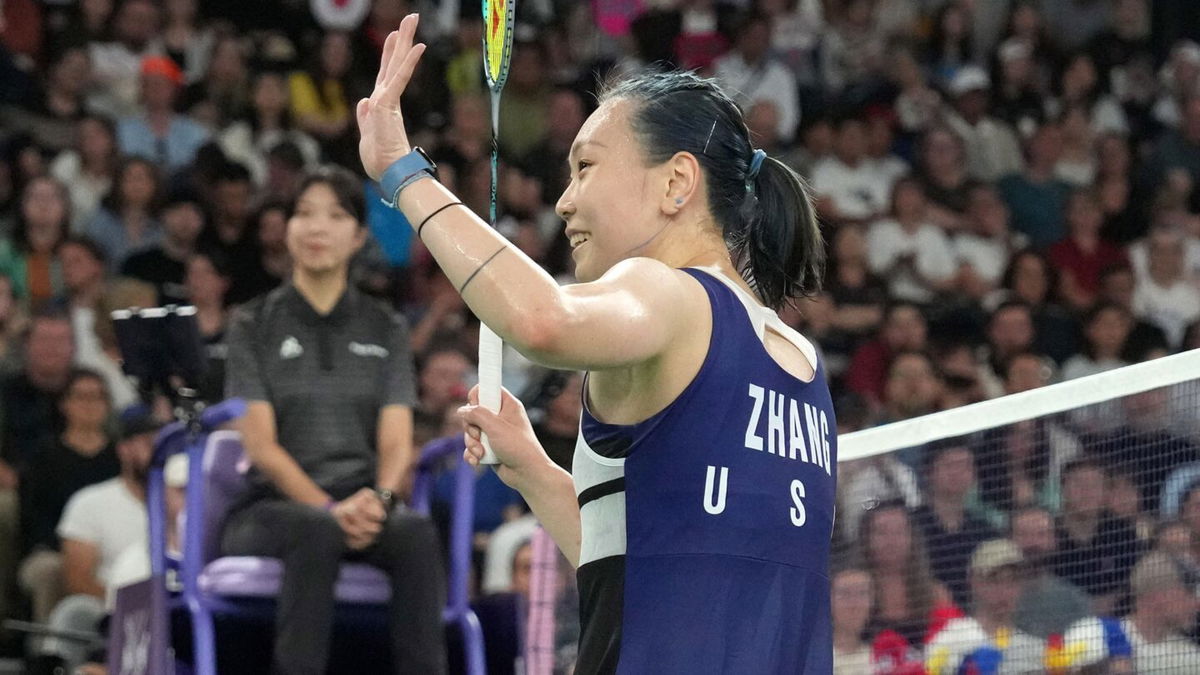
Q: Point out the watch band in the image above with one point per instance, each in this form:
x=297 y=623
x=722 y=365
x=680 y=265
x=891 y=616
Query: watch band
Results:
x=387 y=497
x=404 y=172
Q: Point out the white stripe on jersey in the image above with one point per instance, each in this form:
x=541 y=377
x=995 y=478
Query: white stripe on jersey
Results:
x=603 y=519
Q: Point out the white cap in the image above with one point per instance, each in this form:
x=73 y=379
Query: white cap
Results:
x=969 y=78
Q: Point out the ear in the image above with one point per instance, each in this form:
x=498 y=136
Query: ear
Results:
x=682 y=183
x=360 y=237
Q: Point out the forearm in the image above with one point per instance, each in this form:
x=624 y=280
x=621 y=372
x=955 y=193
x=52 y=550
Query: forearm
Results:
x=393 y=463
x=509 y=292
x=286 y=475
x=550 y=493
x=81 y=584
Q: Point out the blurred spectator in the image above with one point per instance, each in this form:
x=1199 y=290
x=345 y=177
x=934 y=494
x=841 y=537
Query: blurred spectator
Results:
x=751 y=74
x=185 y=39
x=127 y=220
x=1117 y=286
x=1017 y=96
x=206 y=282
x=992 y=149
x=913 y=254
x=1106 y=328
x=917 y=104
x=1164 y=608
x=1095 y=550
x=82 y=455
x=851 y=596
x=913 y=387
x=320 y=100
x=951 y=532
x=87 y=169
x=905 y=592
x=1179 y=148
x=441 y=381
x=158 y=133
x=904 y=329
x=12 y=326
x=853 y=48
x=265 y=123
x=1167 y=297
x=1074 y=23
x=943 y=170
x=1180 y=80
x=1010 y=331
x=164 y=265
x=857 y=297
x=548 y=160
x=881 y=144
x=1048 y=604
x=99 y=523
x=1124 y=219
x=1036 y=198
x=275 y=261
x=997 y=573
x=1030 y=279
x=52 y=118
x=1083 y=255
x=846 y=185
x=231 y=235
x=1077 y=166
x=117 y=64
x=523 y=109
x=30 y=397
x=554 y=411
x=949 y=46
x=1080 y=88
x=797 y=28
x=221 y=96
x=30 y=258
x=983 y=248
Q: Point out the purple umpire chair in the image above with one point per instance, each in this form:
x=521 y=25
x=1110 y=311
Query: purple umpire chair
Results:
x=237 y=585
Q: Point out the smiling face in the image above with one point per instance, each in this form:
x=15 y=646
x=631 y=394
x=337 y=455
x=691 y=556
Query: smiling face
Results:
x=322 y=235
x=611 y=205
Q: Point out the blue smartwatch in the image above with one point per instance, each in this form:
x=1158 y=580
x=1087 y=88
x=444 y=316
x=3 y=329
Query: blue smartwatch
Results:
x=404 y=172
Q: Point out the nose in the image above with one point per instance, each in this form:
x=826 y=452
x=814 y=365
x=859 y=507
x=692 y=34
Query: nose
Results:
x=565 y=207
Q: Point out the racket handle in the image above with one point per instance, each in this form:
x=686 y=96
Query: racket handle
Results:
x=491 y=362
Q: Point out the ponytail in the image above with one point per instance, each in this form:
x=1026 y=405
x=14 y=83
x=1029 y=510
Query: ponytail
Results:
x=779 y=247
x=767 y=219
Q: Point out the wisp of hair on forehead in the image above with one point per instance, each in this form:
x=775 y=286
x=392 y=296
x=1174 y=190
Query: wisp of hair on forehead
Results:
x=767 y=220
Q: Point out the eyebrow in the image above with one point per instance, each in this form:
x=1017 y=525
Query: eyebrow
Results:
x=579 y=144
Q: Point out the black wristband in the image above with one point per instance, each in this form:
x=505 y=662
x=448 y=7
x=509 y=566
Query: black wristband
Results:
x=430 y=216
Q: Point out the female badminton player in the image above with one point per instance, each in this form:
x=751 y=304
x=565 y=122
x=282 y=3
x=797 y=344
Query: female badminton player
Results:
x=700 y=508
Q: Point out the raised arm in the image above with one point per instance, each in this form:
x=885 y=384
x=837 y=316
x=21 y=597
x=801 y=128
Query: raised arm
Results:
x=627 y=316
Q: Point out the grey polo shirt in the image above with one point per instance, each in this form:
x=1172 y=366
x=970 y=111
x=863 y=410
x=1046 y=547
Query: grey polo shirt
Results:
x=327 y=378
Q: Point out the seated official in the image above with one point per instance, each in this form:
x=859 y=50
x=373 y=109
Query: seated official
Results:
x=328 y=377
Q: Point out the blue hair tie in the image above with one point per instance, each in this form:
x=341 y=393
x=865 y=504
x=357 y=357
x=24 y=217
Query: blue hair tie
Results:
x=756 y=161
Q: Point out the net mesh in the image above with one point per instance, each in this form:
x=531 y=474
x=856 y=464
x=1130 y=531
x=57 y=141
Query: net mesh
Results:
x=1055 y=530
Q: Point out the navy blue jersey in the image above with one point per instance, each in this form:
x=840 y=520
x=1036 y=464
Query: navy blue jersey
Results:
x=706 y=528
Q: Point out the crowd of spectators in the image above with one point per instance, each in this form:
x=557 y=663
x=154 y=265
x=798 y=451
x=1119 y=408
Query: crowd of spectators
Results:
x=1010 y=191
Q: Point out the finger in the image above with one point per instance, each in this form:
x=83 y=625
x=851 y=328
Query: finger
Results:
x=507 y=400
x=404 y=41
x=399 y=81
x=362 y=110
x=389 y=47
x=479 y=417
x=472 y=396
x=470 y=458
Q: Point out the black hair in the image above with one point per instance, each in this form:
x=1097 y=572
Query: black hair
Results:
x=1081 y=463
x=768 y=221
x=219 y=261
x=78 y=374
x=1010 y=273
x=288 y=154
x=114 y=201
x=20 y=236
x=347 y=189
x=1010 y=304
x=88 y=244
x=233 y=172
x=932 y=451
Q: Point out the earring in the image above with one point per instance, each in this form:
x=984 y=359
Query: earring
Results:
x=679 y=201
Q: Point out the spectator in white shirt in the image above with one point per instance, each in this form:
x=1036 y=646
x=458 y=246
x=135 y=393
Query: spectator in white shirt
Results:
x=992 y=147
x=1165 y=296
x=984 y=249
x=912 y=254
x=1164 y=607
x=847 y=186
x=98 y=524
x=749 y=73
x=117 y=65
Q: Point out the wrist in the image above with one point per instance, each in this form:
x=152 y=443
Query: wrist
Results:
x=413 y=166
x=536 y=476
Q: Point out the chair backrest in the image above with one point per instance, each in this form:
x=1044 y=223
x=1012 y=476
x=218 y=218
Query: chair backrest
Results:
x=224 y=483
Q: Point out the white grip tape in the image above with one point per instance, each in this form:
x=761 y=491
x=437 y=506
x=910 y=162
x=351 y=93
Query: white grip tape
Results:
x=491 y=364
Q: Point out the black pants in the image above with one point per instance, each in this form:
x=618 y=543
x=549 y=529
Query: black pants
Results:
x=312 y=546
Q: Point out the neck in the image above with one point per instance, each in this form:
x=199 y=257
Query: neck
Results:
x=949 y=510
x=1149 y=627
x=89 y=440
x=1081 y=522
x=846 y=639
x=135 y=486
x=322 y=290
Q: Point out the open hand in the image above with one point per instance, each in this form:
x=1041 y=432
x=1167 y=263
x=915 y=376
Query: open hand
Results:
x=380 y=123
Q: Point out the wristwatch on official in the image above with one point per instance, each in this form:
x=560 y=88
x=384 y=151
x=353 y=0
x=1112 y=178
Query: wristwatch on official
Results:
x=404 y=172
x=387 y=497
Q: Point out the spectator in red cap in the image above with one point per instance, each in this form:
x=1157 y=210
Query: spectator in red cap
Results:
x=160 y=134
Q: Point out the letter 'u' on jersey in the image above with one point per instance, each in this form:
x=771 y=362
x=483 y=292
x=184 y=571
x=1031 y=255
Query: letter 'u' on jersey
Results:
x=715 y=507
